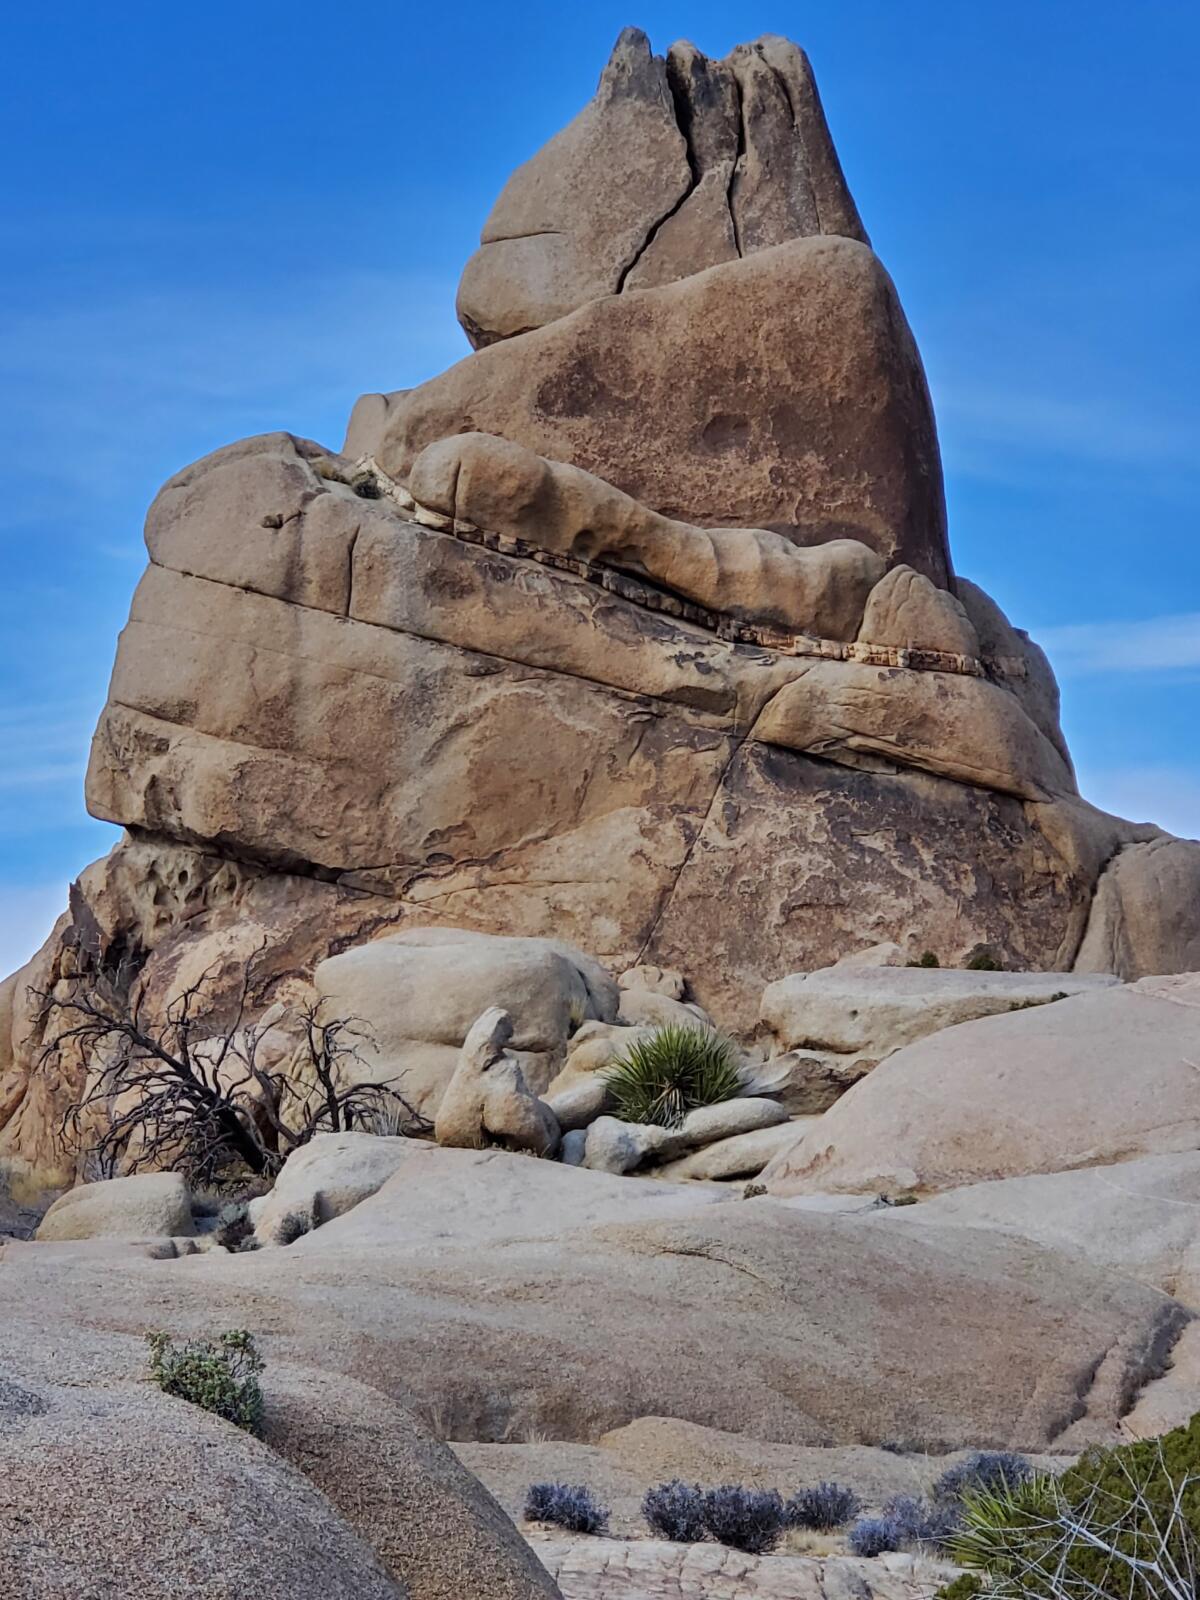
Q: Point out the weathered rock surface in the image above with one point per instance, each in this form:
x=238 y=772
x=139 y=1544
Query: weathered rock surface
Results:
x=615 y=1146
x=507 y=1295
x=1137 y=1217
x=431 y=1522
x=335 y=715
x=418 y=993
x=1085 y=1082
x=951 y=725
x=747 y=573
x=738 y=1155
x=825 y=432
x=116 y=1489
x=189 y=1505
x=1143 y=918
x=329 y=1175
x=906 y=610
x=150 y=1205
x=874 y=1011
x=674 y=166
x=487 y=1101
x=520 y=784
x=580 y=1101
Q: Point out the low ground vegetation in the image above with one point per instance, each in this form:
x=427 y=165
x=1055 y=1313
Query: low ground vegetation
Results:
x=218 y=1375
x=566 y=1505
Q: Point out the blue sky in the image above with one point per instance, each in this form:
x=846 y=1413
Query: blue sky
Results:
x=237 y=217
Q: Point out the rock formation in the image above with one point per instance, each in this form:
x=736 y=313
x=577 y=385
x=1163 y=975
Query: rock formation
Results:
x=636 y=631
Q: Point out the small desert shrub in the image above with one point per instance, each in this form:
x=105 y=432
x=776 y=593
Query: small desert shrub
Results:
x=292 y=1227
x=926 y=959
x=905 y=1521
x=990 y=1470
x=923 y=1522
x=746 y=1519
x=566 y=1505
x=366 y=488
x=874 y=1536
x=824 y=1508
x=983 y=961
x=672 y=1071
x=675 y=1511
x=218 y=1375
x=965 y=1587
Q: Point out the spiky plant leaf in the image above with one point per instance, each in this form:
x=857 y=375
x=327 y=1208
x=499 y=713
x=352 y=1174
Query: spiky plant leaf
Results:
x=663 y=1076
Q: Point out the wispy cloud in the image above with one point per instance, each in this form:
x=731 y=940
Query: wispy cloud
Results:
x=1168 y=796
x=1093 y=429
x=1154 y=644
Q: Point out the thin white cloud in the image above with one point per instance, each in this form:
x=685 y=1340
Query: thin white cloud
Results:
x=1168 y=796
x=1153 y=644
x=1096 y=430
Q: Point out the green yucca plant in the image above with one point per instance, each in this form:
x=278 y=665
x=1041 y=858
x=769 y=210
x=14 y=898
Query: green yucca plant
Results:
x=662 y=1077
x=1123 y=1522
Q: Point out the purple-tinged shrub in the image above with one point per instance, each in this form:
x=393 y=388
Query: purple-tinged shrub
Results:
x=991 y=1471
x=875 y=1536
x=566 y=1505
x=746 y=1519
x=828 y=1506
x=675 y=1511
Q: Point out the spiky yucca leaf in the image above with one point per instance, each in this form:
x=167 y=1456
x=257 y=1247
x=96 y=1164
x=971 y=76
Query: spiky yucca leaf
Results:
x=663 y=1077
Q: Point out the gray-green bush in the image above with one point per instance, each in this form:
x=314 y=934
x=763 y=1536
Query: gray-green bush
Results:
x=218 y=1375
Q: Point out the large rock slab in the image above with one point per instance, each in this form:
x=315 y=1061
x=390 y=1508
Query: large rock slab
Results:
x=329 y=1175
x=600 y=777
x=510 y=1295
x=825 y=432
x=1136 y=1217
x=435 y=1527
x=874 y=1011
x=675 y=165
x=1084 y=1082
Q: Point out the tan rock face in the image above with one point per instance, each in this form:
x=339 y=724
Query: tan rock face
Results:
x=674 y=166
x=853 y=1010
x=1096 y=1079
x=747 y=573
x=1144 y=917
x=782 y=392
x=668 y=663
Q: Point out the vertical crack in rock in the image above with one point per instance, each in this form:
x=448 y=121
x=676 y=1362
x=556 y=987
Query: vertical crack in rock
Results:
x=682 y=122
x=738 y=160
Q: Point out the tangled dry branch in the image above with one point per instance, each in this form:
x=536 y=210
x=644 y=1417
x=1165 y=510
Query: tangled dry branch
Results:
x=199 y=1094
